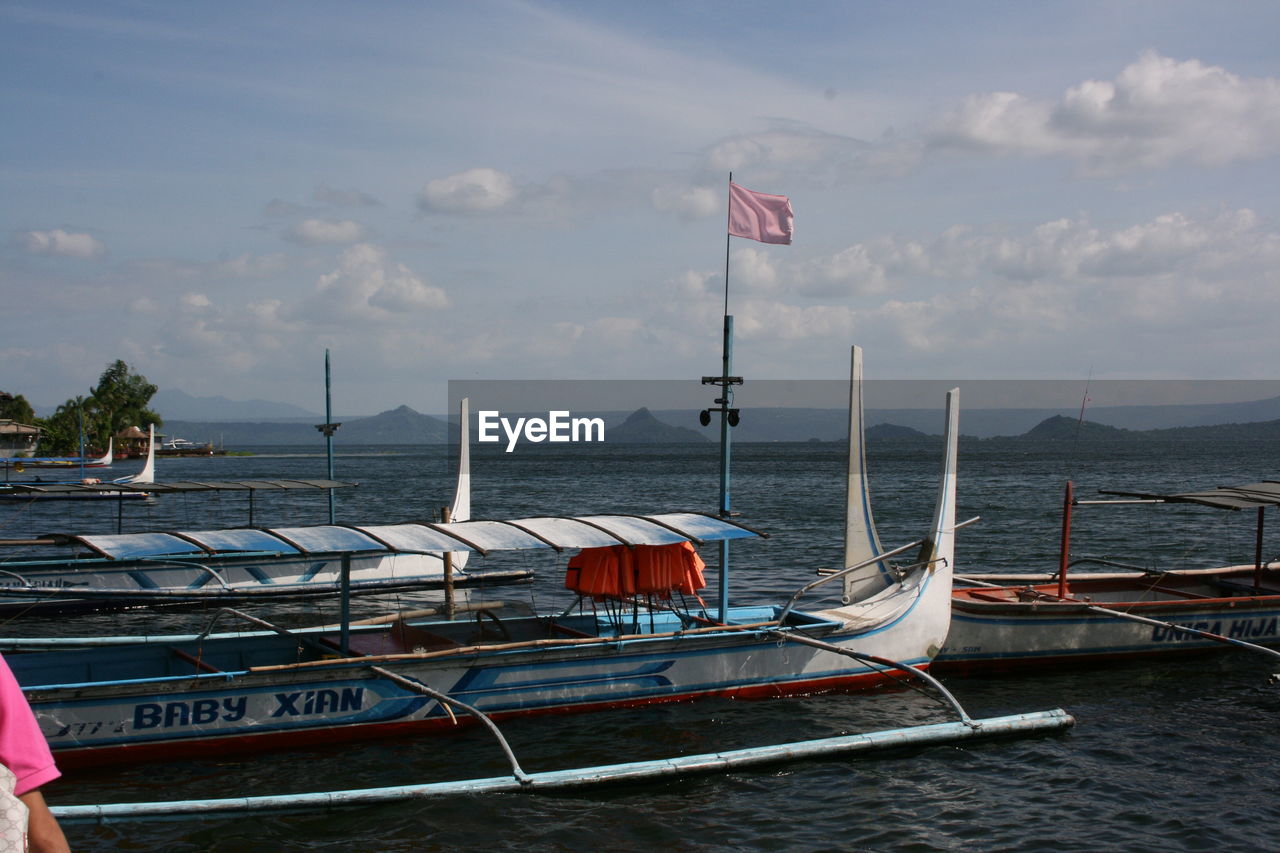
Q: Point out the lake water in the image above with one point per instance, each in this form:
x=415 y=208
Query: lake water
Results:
x=1178 y=755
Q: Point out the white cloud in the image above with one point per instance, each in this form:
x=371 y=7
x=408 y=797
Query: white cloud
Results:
x=1157 y=112
x=326 y=194
x=817 y=154
x=144 y=305
x=694 y=284
x=253 y=266
x=687 y=202
x=368 y=286
x=852 y=270
x=320 y=232
x=754 y=271
x=63 y=243
x=767 y=320
x=194 y=302
x=480 y=190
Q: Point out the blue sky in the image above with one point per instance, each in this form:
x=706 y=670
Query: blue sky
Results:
x=493 y=190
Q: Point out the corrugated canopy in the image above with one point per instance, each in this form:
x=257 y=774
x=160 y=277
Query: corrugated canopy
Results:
x=1249 y=496
x=554 y=532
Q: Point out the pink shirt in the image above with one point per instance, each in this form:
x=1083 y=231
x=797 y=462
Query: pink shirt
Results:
x=23 y=748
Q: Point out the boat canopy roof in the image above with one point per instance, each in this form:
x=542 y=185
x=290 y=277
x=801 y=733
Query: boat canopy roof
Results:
x=176 y=486
x=554 y=532
x=1262 y=494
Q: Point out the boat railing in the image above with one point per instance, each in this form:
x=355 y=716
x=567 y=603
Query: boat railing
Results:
x=315 y=645
x=190 y=564
x=828 y=578
x=1103 y=561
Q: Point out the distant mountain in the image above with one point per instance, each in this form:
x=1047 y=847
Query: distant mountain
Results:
x=1187 y=415
x=893 y=432
x=1062 y=428
x=641 y=427
x=772 y=424
x=397 y=426
x=172 y=404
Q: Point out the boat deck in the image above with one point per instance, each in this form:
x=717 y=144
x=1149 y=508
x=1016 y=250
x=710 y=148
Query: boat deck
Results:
x=1156 y=588
x=235 y=654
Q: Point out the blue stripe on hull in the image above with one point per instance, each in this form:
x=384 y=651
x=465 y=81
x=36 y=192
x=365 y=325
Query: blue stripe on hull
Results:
x=153 y=715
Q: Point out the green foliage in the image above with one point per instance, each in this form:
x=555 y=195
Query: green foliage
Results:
x=16 y=408
x=117 y=402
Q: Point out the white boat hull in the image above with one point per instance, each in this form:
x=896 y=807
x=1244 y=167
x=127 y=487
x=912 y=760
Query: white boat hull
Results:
x=991 y=629
x=269 y=703
x=105 y=585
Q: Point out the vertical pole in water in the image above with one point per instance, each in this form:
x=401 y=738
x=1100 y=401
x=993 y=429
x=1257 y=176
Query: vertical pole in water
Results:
x=447 y=556
x=1067 y=501
x=345 y=630
x=328 y=436
x=327 y=429
x=1257 y=555
x=726 y=399
x=80 y=423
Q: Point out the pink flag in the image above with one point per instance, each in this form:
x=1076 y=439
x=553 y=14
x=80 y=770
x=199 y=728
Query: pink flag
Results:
x=756 y=216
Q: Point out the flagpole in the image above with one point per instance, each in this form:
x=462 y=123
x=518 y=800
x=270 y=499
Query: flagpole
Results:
x=728 y=417
x=767 y=219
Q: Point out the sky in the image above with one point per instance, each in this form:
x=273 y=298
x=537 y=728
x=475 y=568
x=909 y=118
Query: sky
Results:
x=519 y=189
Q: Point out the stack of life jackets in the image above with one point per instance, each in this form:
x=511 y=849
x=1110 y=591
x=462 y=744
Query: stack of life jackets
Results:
x=624 y=570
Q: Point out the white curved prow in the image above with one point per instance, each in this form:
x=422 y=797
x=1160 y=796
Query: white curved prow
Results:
x=148 y=472
x=460 y=509
x=940 y=548
x=105 y=460
x=861 y=542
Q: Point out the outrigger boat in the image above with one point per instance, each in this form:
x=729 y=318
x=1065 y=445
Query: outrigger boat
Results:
x=63 y=462
x=170 y=696
x=1011 y=621
x=86 y=488
x=235 y=565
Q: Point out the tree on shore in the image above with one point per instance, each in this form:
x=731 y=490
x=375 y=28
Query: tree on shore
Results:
x=117 y=402
x=14 y=407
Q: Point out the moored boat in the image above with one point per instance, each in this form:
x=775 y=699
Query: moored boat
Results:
x=1011 y=621
x=216 y=693
x=92 y=572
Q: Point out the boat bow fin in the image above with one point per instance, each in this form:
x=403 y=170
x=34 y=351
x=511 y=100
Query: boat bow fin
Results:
x=460 y=509
x=148 y=472
x=939 y=549
x=861 y=542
